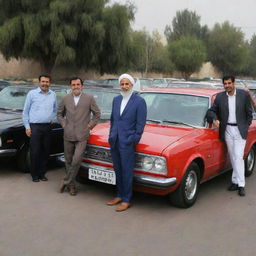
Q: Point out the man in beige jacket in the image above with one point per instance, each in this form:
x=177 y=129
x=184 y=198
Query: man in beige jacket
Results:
x=74 y=114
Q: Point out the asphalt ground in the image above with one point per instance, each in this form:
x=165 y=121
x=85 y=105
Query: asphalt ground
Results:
x=36 y=220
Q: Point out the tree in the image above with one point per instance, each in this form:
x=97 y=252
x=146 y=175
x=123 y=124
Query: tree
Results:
x=149 y=53
x=187 y=54
x=139 y=41
x=252 y=57
x=116 y=48
x=227 y=49
x=186 y=23
x=78 y=33
x=159 y=59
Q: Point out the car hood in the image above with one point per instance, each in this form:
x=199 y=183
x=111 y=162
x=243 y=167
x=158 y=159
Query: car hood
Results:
x=155 y=138
x=10 y=119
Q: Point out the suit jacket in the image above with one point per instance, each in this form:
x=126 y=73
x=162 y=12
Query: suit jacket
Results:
x=219 y=111
x=76 y=120
x=129 y=126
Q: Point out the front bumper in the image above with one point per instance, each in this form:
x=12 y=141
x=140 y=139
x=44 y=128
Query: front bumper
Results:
x=7 y=152
x=138 y=179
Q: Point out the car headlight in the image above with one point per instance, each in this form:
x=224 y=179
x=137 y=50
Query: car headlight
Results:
x=147 y=163
x=150 y=163
x=160 y=164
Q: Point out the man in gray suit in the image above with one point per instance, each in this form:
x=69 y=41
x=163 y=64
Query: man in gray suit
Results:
x=231 y=112
x=74 y=114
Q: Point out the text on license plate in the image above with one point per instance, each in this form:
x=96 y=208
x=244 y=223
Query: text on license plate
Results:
x=106 y=176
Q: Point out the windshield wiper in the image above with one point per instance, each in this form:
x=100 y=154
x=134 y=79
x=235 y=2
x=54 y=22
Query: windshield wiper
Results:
x=178 y=122
x=154 y=121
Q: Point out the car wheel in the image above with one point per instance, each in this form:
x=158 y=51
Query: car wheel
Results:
x=23 y=160
x=249 y=162
x=185 y=195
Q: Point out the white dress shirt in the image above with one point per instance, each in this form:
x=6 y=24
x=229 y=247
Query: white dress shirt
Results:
x=232 y=108
x=76 y=99
x=126 y=97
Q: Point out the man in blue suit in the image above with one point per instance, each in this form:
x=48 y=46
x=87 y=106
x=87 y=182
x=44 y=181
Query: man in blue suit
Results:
x=127 y=123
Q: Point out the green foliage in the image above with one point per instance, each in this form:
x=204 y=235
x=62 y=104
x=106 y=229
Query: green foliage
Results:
x=159 y=60
x=227 y=49
x=187 y=54
x=139 y=40
x=115 y=54
x=186 y=23
x=148 y=53
x=81 y=33
x=252 y=57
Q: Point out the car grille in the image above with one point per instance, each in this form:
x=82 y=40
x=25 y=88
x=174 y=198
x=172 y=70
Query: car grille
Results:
x=101 y=154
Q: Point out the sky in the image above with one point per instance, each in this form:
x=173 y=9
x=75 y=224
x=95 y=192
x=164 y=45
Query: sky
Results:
x=156 y=14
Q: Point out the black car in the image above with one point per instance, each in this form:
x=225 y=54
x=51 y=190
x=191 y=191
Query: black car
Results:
x=13 y=140
x=3 y=84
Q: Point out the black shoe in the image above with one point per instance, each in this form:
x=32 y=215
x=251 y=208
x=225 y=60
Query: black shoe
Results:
x=35 y=180
x=233 y=187
x=43 y=178
x=241 y=191
x=62 y=188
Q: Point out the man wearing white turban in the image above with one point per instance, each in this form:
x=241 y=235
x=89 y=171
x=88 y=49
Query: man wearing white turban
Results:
x=127 y=123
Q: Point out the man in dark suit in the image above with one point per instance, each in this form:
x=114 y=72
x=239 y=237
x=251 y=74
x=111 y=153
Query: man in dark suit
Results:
x=127 y=122
x=231 y=112
x=74 y=114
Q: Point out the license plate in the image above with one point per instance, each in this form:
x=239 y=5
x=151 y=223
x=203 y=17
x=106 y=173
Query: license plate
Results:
x=104 y=176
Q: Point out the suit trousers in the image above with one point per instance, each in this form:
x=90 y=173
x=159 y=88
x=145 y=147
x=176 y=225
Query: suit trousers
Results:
x=73 y=152
x=39 y=148
x=123 y=160
x=236 y=144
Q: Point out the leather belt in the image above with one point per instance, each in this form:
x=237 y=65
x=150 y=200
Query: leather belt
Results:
x=40 y=123
x=231 y=124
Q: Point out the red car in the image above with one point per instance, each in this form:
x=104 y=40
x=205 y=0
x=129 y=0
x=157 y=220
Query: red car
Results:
x=178 y=149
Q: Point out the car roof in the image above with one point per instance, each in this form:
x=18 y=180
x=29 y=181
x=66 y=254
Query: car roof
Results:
x=190 y=91
x=33 y=86
x=104 y=89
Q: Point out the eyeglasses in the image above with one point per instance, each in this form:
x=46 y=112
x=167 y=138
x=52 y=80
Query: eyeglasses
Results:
x=124 y=84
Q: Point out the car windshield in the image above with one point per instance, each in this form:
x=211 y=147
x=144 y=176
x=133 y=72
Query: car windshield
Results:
x=158 y=81
x=104 y=100
x=176 y=109
x=146 y=83
x=14 y=97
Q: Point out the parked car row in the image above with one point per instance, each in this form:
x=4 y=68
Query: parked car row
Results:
x=178 y=150
x=13 y=140
x=144 y=83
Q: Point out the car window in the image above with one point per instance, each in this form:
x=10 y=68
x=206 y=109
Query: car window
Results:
x=60 y=94
x=146 y=83
x=189 y=109
x=104 y=101
x=13 y=98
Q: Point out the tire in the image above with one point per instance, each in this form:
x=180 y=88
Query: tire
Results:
x=186 y=194
x=249 y=162
x=23 y=160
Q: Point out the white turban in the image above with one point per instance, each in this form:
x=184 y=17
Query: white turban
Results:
x=129 y=77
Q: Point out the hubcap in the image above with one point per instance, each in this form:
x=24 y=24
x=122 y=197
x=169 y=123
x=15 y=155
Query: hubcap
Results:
x=191 y=185
x=250 y=160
